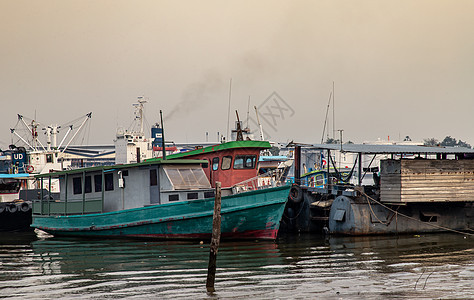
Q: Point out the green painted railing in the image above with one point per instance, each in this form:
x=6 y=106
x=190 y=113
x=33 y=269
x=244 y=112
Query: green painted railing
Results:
x=70 y=207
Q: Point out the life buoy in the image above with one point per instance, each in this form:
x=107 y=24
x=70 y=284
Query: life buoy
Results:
x=296 y=194
x=30 y=169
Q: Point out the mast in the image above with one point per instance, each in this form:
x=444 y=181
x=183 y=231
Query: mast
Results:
x=139 y=108
x=240 y=136
x=228 y=109
x=333 y=114
x=259 y=125
x=248 y=112
x=33 y=128
x=163 y=136
x=51 y=132
x=326 y=118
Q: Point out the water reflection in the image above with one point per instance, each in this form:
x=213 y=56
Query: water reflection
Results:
x=304 y=266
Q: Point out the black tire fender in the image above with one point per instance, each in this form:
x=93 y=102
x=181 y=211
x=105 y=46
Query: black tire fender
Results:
x=296 y=194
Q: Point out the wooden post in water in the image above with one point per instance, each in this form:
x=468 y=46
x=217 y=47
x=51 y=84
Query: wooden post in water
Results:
x=216 y=237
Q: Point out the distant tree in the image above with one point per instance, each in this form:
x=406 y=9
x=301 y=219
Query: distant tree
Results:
x=349 y=142
x=463 y=144
x=430 y=142
x=449 y=142
x=332 y=141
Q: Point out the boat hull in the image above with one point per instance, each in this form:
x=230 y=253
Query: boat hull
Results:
x=355 y=216
x=250 y=215
x=15 y=216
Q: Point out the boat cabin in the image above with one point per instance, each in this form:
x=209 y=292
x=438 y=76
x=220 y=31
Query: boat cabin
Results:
x=230 y=163
x=114 y=188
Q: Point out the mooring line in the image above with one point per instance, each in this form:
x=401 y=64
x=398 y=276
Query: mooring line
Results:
x=411 y=218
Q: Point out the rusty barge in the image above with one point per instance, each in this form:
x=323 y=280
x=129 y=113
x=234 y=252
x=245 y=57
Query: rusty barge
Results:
x=386 y=189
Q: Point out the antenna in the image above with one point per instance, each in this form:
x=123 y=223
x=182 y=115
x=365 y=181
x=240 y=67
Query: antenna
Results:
x=340 y=135
x=326 y=118
x=248 y=111
x=259 y=125
x=139 y=107
x=240 y=136
x=333 y=114
x=163 y=135
x=228 y=110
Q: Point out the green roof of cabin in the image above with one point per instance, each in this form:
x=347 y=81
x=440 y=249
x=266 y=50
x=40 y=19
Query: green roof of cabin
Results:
x=219 y=147
x=123 y=166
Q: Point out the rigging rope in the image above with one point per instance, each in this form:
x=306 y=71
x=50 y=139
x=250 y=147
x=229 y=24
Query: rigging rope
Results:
x=411 y=218
x=338 y=174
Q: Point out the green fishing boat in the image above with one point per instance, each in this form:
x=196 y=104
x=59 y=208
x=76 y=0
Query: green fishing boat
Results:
x=169 y=199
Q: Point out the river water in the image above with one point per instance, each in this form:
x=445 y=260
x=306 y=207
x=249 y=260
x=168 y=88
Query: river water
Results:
x=39 y=266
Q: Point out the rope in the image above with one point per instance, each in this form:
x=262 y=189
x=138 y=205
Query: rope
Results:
x=338 y=174
x=416 y=220
x=298 y=214
x=370 y=206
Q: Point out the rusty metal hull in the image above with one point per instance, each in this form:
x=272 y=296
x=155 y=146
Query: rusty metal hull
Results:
x=357 y=216
x=250 y=215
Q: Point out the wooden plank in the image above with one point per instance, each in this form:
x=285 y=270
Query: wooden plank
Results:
x=427 y=181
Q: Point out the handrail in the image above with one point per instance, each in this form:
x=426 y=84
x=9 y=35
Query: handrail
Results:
x=271 y=178
x=67 y=207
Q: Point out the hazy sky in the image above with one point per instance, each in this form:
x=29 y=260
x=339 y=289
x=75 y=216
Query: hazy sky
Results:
x=399 y=67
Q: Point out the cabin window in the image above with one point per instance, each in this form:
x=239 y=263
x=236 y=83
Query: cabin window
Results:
x=226 y=162
x=87 y=184
x=98 y=183
x=209 y=194
x=49 y=158
x=174 y=197
x=77 y=185
x=319 y=179
x=109 y=182
x=215 y=163
x=245 y=161
x=192 y=196
x=205 y=165
x=187 y=177
x=153 y=177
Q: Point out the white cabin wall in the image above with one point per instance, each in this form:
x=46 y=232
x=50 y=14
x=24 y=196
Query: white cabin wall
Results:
x=137 y=187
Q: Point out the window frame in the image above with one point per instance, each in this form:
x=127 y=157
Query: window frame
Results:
x=230 y=162
x=77 y=185
x=98 y=183
x=87 y=184
x=244 y=158
x=215 y=163
x=109 y=182
x=153 y=177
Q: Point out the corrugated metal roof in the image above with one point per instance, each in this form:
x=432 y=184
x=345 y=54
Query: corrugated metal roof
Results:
x=392 y=149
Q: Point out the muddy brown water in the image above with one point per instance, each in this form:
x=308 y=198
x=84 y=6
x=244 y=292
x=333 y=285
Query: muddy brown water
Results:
x=432 y=266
